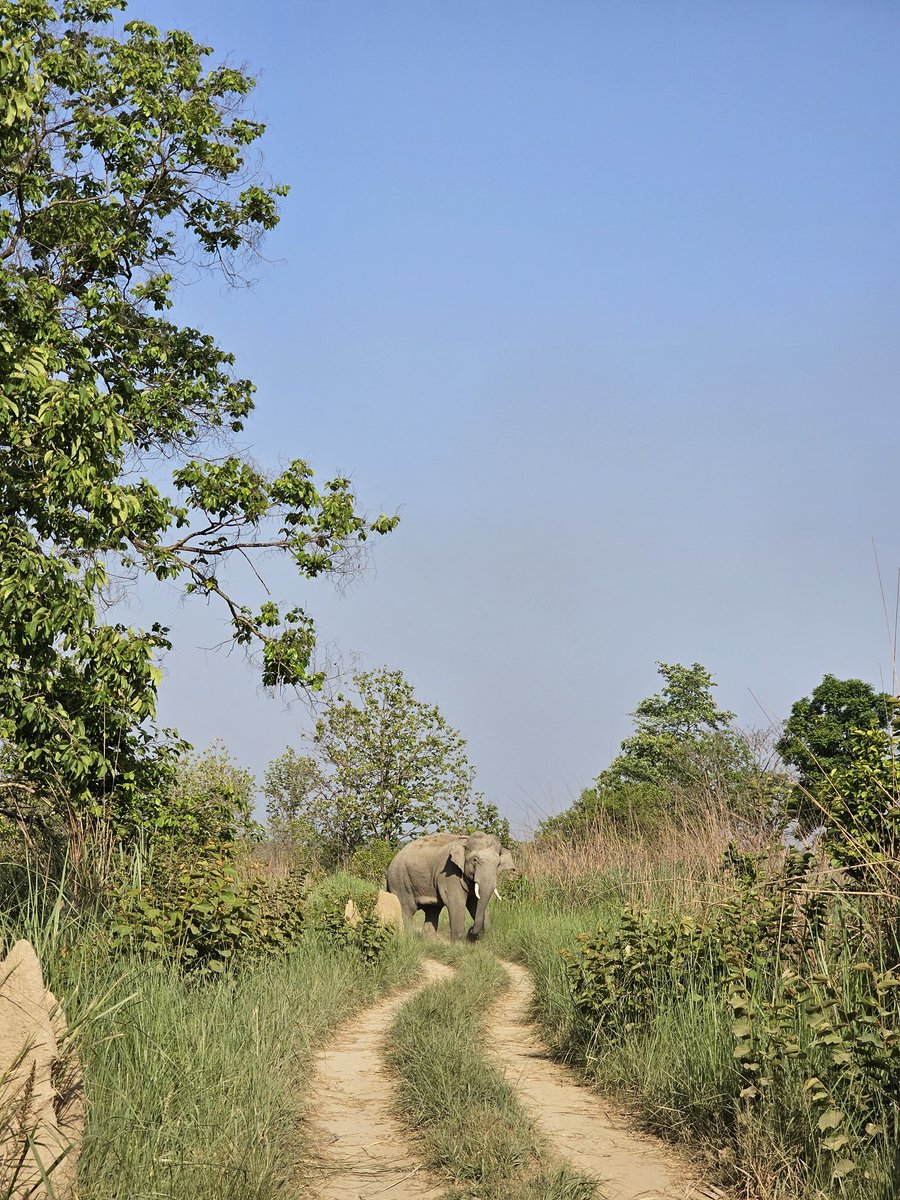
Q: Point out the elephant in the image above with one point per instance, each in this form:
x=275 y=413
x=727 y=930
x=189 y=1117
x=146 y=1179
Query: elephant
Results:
x=452 y=871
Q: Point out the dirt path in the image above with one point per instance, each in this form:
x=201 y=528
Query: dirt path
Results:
x=575 y=1120
x=363 y=1148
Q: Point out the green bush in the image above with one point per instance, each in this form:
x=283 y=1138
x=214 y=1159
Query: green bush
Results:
x=207 y=915
x=370 y=862
x=367 y=937
x=326 y=913
x=789 y=1027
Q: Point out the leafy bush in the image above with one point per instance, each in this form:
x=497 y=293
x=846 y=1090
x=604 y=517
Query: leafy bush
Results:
x=207 y=799
x=364 y=934
x=861 y=810
x=370 y=862
x=812 y=1027
x=208 y=915
x=617 y=977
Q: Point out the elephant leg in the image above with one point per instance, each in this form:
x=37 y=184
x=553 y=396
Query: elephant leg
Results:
x=432 y=916
x=457 y=911
x=472 y=906
x=408 y=909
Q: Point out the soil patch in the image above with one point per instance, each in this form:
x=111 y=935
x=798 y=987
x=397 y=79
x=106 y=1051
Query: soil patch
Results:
x=579 y=1124
x=363 y=1150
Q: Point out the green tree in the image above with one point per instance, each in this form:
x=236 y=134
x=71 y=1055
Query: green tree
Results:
x=485 y=817
x=684 y=754
x=291 y=785
x=860 y=809
x=670 y=727
x=820 y=737
x=208 y=799
x=385 y=765
x=122 y=157
x=391 y=765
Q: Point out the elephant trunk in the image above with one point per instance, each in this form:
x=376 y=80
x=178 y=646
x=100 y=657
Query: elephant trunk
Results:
x=483 y=887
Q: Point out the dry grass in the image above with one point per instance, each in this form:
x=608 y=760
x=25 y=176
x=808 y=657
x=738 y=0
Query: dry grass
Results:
x=678 y=864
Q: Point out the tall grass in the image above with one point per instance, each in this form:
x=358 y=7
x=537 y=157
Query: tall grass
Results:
x=196 y=1090
x=676 y=1066
x=469 y=1119
x=674 y=864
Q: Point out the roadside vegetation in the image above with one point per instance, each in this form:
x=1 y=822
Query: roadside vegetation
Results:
x=738 y=994
x=465 y=1115
x=197 y=1079
x=201 y=1092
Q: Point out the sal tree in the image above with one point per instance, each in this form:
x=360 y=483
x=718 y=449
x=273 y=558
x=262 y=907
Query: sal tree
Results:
x=821 y=739
x=385 y=765
x=123 y=155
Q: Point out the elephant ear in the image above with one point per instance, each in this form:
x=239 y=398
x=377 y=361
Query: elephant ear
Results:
x=506 y=862
x=457 y=854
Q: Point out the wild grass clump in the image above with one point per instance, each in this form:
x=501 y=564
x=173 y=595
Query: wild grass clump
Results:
x=196 y=1083
x=605 y=862
x=470 y=1120
x=201 y=1091
x=752 y=1009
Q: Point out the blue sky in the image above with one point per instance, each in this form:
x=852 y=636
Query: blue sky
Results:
x=603 y=299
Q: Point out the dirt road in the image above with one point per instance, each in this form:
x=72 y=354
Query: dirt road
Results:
x=584 y=1131
x=364 y=1152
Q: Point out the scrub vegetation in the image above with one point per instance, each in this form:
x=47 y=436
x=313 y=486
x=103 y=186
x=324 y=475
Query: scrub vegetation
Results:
x=196 y=1080
x=745 y=1002
x=470 y=1122
x=713 y=926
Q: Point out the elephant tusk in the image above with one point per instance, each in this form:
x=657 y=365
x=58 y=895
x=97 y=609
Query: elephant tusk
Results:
x=497 y=894
x=477 y=892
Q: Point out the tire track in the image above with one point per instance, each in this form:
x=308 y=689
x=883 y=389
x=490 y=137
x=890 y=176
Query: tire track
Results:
x=629 y=1165
x=363 y=1149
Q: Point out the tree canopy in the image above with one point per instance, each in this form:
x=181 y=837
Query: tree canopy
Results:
x=123 y=156
x=820 y=737
x=684 y=753
x=683 y=714
x=383 y=765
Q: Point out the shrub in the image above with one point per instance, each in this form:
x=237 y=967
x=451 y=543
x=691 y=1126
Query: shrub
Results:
x=207 y=915
x=370 y=862
x=364 y=935
x=778 y=969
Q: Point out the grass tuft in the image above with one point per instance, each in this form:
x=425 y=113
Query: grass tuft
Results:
x=470 y=1121
x=197 y=1089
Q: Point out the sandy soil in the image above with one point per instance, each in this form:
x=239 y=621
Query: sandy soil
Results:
x=579 y=1123
x=363 y=1150
x=364 y=1153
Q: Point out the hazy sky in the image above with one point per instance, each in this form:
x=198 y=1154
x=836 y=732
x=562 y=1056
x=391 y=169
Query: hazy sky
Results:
x=603 y=299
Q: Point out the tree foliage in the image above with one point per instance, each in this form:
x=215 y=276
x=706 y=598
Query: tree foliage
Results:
x=485 y=817
x=294 y=816
x=680 y=718
x=685 y=753
x=384 y=765
x=821 y=737
x=124 y=156
x=860 y=810
x=207 y=799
